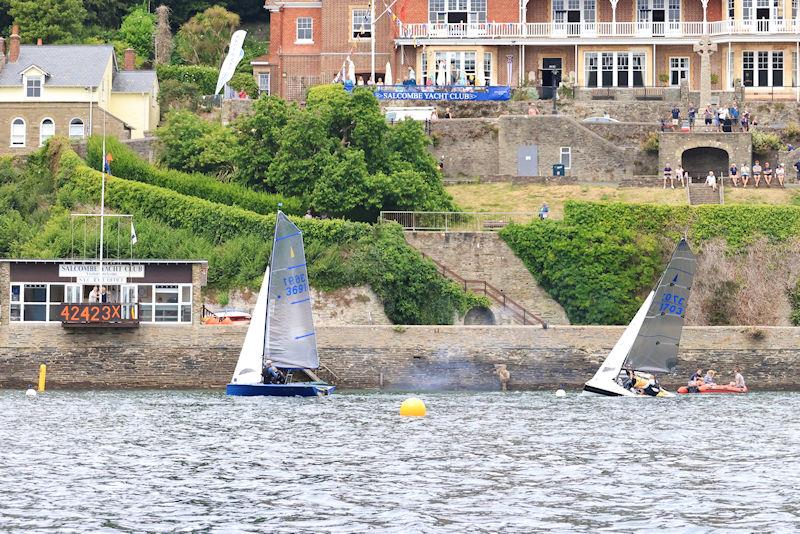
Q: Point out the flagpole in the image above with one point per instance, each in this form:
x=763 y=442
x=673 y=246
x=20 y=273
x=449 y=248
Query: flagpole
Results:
x=102 y=203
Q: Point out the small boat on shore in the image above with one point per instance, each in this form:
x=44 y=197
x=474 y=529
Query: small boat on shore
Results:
x=279 y=352
x=713 y=388
x=649 y=344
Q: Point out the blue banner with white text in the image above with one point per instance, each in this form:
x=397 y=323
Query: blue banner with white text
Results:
x=443 y=94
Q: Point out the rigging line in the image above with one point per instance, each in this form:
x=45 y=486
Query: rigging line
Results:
x=72 y=237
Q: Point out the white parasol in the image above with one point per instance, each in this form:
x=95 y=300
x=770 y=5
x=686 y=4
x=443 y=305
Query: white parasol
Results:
x=387 y=79
x=351 y=70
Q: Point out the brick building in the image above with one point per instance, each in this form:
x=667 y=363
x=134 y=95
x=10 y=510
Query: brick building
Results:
x=71 y=90
x=621 y=44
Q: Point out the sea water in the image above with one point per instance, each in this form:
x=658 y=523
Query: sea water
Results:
x=165 y=461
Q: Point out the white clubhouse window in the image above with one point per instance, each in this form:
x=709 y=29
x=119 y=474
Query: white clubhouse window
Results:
x=678 y=70
x=305 y=30
x=457 y=11
x=763 y=68
x=47 y=129
x=566 y=157
x=361 y=24
x=614 y=69
x=76 y=130
x=263 y=82
x=18 y=132
x=33 y=86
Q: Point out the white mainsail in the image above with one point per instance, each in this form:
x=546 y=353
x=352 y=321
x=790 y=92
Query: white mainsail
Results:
x=248 y=368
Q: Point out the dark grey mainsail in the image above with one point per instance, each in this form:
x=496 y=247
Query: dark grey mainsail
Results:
x=291 y=339
x=655 y=349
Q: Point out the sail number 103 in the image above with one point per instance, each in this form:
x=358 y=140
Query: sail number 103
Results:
x=672 y=304
x=294 y=285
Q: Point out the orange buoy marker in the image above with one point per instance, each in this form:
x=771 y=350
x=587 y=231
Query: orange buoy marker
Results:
x=413 y=407
x=42 y=375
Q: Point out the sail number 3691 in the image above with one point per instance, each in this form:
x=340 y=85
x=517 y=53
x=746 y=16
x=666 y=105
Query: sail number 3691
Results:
x=294 y=285
x=672 y=304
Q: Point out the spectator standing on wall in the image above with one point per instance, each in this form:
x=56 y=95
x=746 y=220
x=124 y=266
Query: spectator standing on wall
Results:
x=668 y=176
x=733 y=111
x=692 y=112
x=734 y=175
x=544 y=211
x=708 y=116
x=676 y=116
x=757 y=172
x=745 y=170
x=722 y=116
x=745 y=120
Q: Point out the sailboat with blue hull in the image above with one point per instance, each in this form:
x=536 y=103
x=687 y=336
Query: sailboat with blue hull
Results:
x=279 y=354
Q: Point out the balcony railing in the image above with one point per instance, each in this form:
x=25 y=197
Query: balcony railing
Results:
x=604 y=30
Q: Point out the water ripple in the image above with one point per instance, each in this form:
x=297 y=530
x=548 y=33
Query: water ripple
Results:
x=158 y=461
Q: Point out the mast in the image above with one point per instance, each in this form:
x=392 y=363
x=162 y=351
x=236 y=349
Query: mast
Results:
x=269 y=282
x=102 y=203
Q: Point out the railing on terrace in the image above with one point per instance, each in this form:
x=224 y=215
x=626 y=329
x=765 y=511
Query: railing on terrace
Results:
x=446 y=221
x=762 y=94
x=557 y=30
x=487 y=289
x=644 y=92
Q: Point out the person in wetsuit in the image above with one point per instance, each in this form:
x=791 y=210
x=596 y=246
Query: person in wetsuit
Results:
x=695 y=381
x=630 y=380
x=653 y=388
x=273 y=375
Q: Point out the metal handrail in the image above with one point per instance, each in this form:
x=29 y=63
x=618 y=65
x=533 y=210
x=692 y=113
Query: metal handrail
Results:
x=490 y=291
x=446 y=221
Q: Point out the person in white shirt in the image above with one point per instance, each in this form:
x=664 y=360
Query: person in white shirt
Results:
x=745 y=170
x=94 y=295
x=780 y=174
x=738 y=379
x=711 y=180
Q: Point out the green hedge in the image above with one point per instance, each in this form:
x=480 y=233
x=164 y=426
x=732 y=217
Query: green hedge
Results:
x=738 y=224
x=127 y=164
x=597 y=275
x=341 y=253
x=205 y=78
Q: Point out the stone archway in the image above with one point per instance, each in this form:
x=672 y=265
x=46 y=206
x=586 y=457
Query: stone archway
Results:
x=698 y=161
x=479 y=315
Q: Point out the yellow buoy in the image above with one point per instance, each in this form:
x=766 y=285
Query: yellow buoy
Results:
x=42 y=373
x=413 y=407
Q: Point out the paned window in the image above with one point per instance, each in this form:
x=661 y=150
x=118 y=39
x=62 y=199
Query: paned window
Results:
x=18 y=132
x=305 y=32
x=47 y=129
x=33 y=86
x=678 y=70
x=76 y=129
x=566 y=157
x=361 y=24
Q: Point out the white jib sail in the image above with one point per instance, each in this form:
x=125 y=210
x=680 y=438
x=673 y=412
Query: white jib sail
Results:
x=248 y=368
x=606 y=376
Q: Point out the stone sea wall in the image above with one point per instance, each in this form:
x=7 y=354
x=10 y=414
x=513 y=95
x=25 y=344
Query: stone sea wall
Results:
x=389 y=357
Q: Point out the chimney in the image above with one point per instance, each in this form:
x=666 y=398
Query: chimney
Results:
x=2 y=53
x=39 y=41
x=13 y=49
x=130 y=59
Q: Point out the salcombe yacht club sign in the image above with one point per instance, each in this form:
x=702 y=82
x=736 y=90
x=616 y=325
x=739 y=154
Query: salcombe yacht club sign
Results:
x=89 y=273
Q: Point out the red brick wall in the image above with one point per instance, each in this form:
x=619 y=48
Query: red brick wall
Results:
x=715 y=10
x=502 y=11
x=289 y=31
x=413 y=11
x=539 y=11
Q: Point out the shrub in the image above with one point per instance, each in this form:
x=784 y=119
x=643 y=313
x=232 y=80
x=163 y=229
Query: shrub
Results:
x=794 y=298
x=651 y=143
x=204 y=78
x=764 y=142
x=244 y=81
x=127 y=164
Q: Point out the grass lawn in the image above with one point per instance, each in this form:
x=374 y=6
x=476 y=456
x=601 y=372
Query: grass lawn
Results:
x=528 y=198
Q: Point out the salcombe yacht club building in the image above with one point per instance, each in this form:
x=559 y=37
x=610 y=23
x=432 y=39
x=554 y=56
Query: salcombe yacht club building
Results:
x=136 y=291
x=626 y=44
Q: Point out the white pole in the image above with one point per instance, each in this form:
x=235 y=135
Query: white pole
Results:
x=372 y=41
x=102 y=202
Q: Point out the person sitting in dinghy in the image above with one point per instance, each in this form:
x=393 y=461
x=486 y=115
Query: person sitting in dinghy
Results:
x=272 y=374
x=695 y=381
x=709 y=378
x=738 y=379
x=653 y=388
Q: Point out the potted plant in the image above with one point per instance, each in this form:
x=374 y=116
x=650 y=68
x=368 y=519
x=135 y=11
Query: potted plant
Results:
x=663 y=78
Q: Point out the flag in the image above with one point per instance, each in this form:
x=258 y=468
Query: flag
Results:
x=133 y=234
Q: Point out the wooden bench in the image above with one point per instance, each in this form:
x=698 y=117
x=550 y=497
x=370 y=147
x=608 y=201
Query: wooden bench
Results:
x=494 y=225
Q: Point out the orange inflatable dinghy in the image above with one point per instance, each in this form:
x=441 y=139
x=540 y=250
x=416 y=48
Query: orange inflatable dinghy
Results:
x=715 y=388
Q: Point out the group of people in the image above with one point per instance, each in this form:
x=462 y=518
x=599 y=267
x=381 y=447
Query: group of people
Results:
x=98 y=294
x=720 y=118
x=757 y=172
x=641 y=384
x=710 y=379
x=736 y=174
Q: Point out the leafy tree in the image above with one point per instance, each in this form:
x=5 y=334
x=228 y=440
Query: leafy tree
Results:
x=345 y=188
x=203 y=38
x=54 y=21
x=246 y=82
x=137 y=31
x=304 y=151
x=191 y=144
x=107 y=13
x=258 y=135
x=407 y=143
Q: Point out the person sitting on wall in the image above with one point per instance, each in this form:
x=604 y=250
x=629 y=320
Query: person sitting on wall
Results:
x=273 y=375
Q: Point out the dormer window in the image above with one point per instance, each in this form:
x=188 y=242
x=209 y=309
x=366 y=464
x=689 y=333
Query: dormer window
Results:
x=33 y=86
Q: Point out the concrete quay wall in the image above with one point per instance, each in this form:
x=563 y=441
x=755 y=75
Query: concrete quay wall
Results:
x=389 y=357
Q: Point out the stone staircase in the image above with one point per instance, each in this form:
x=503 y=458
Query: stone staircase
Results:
x=700 y=193
x=484 y=256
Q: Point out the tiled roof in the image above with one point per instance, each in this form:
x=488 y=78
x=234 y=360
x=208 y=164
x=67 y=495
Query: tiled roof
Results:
x=136 y=81
x=67 y=65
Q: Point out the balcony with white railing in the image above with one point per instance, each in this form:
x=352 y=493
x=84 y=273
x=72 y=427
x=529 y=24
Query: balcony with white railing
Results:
x=595 y=30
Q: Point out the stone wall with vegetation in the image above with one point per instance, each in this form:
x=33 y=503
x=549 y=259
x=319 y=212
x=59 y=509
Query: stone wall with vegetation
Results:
x=387 y=357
